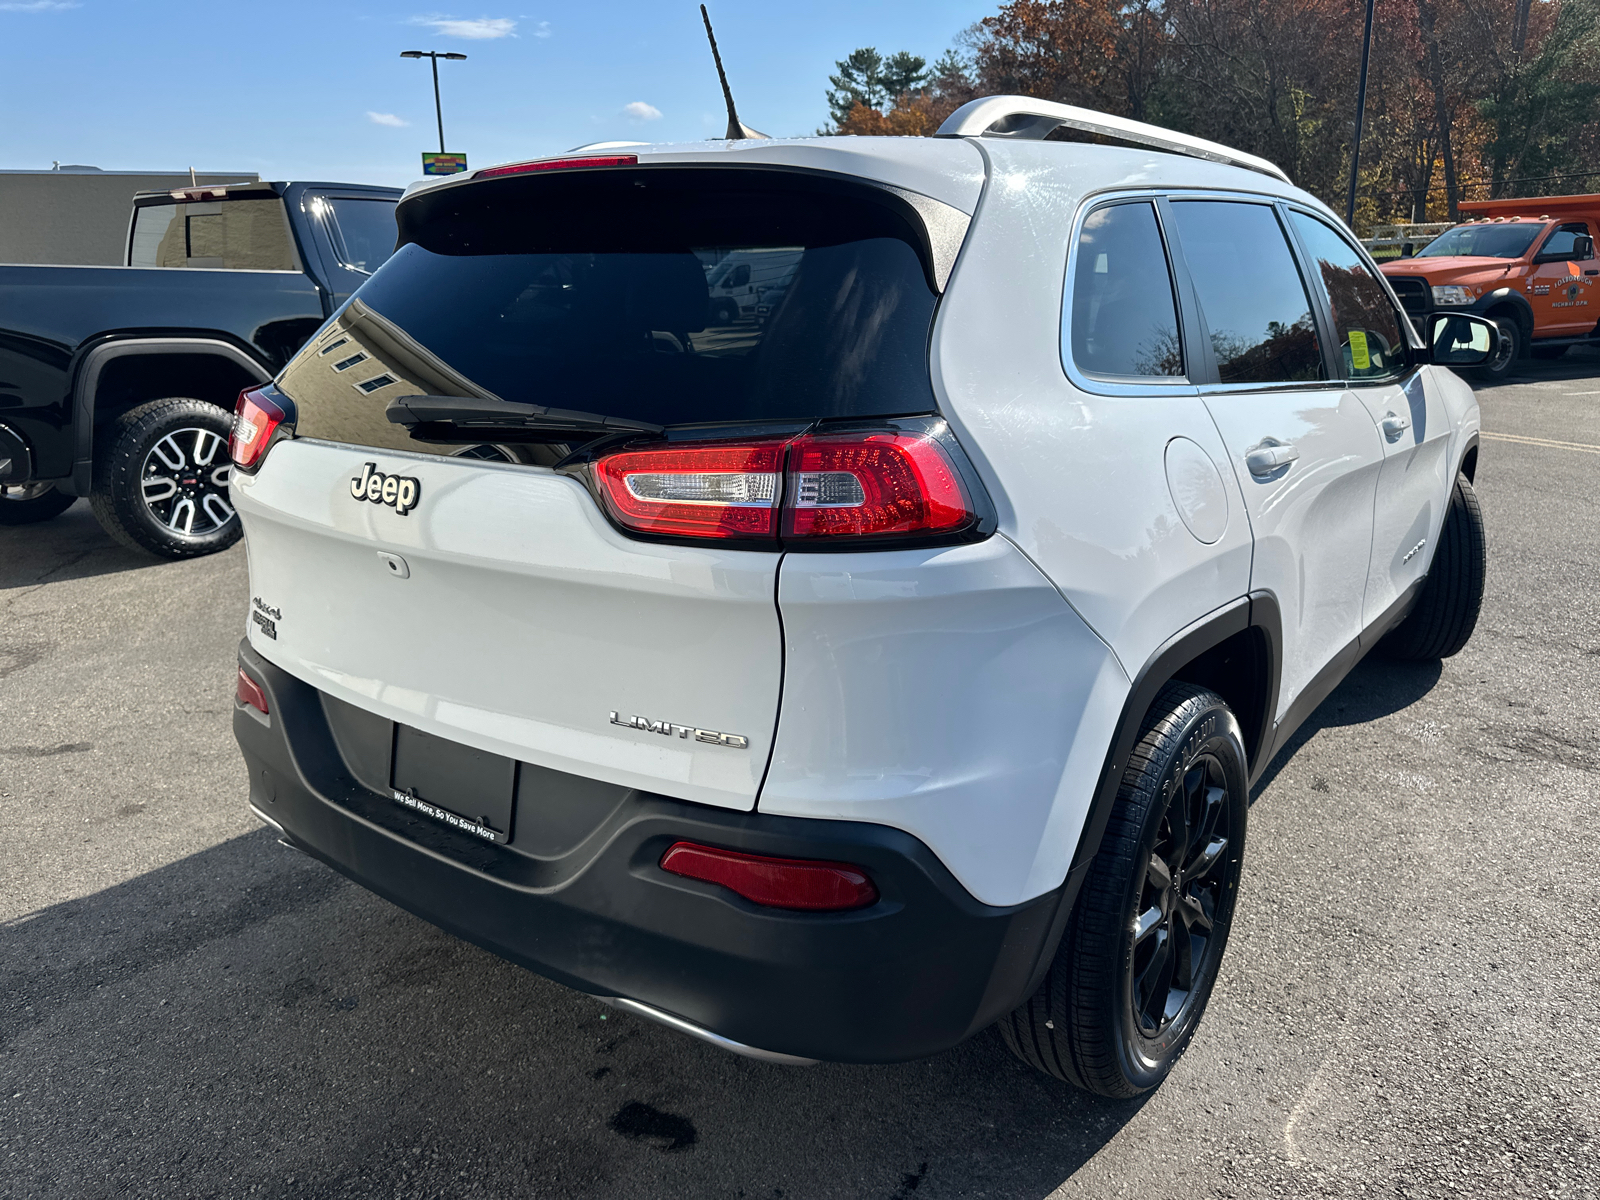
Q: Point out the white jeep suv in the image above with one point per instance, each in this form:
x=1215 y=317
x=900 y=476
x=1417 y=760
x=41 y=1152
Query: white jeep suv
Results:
x=839 y=684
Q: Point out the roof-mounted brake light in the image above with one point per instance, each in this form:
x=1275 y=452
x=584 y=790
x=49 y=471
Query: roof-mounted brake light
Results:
x=560 y=164
x=199 y=193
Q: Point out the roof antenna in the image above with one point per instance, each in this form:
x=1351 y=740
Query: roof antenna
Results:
x=737 y=129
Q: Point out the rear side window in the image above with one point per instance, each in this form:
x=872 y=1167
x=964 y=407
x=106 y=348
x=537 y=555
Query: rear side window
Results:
x=1124 y=317
x=363 y=232
x=233 y=235
x=1250 y=294
x=671 y=296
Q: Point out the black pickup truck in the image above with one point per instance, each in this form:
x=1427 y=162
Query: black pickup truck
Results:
x=118 y=383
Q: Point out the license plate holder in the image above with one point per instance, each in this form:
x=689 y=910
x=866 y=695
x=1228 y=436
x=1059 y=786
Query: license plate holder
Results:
x=470 y=790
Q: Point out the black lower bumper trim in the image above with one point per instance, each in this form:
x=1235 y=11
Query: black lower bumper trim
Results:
x=919 y=971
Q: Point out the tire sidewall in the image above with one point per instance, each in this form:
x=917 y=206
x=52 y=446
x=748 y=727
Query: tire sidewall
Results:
x=1210 y=728
x=1496 y=368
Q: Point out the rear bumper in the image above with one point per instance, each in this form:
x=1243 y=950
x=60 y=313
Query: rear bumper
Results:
x=919 y=971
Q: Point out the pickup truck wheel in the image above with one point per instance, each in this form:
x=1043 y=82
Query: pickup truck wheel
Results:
x=1446 y=612
x=1508 y=348
x=28 y=503
x=161 y=479
x=1141 y=950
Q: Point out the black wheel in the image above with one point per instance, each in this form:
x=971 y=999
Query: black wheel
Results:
x=1548 y=353
x=28 y=503
x=725 y=313
x=1141 y=950
x=1508 y=348
x=161 y=479
x=1446 y=612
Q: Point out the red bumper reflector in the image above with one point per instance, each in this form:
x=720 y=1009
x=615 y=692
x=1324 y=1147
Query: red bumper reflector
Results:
x=799 y=883
x=252 y=693
x=560 y=164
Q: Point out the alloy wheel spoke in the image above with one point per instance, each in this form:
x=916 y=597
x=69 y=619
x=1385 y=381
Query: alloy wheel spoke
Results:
x=182 y=517
x=157 y=488
x=1193 y=913
x=217 y=509
x=1147 y=923
x=1207 y=857
x=170 y=453
x=1158 y=874
x=1152 y=983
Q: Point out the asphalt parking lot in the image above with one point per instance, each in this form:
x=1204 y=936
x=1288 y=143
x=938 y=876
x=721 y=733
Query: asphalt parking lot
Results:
x=1410 y=1005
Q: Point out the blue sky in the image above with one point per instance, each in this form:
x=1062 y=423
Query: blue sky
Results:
x=302 y=90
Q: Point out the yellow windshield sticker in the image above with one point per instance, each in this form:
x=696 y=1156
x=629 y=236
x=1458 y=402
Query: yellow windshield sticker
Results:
x=1359 y=358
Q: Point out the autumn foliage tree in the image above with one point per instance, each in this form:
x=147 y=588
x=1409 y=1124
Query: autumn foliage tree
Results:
x=1466 y=98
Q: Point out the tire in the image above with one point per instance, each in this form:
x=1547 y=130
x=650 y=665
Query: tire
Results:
x=1101 y=1020
x=161 y=479
x=1507 y=352
x=1548 y=353
x=30 y=503
x=1446 y=612
x=726 y=313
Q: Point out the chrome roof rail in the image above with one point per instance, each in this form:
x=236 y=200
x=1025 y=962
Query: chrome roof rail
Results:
x=1025 y=117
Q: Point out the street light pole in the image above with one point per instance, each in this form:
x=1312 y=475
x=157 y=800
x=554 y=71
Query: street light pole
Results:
x=1361 y=111
x=438 y=109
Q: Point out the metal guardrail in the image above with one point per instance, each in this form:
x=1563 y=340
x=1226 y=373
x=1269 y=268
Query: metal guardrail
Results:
x=1389 y=241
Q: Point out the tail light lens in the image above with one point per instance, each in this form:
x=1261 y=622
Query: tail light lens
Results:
x=559 y=164
x=250 y=692
x=870 y=484
x=255 y=419
x=907 y=481
x=797 y=883
x=697 y=491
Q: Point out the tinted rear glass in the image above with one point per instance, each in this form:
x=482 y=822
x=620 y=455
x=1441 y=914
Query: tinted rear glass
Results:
x=233 y=235
x=669 y=296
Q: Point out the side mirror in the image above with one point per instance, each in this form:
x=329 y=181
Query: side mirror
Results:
x=1583 y=246
x=1460 y=339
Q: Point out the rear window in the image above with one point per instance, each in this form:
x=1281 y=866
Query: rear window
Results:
x=233 y=235
x=671 y=296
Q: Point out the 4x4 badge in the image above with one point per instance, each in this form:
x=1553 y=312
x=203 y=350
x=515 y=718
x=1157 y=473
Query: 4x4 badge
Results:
x=399 y=492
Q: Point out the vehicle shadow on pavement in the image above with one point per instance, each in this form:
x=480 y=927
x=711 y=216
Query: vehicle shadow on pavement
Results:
x=245 y=1020
x=71 y=546
x=1377 y=687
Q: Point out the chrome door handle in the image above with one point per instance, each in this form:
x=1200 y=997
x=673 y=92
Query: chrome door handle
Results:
x=1269 y=456
x=1393 y=426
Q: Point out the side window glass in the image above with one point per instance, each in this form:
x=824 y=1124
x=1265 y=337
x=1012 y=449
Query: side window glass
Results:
x=363 y=232
x=1250 y=292
x=1563 y=241
x=1124 y=316
x=1368 y=331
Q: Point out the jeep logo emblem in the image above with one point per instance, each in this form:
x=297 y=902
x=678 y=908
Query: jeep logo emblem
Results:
x=399 y=492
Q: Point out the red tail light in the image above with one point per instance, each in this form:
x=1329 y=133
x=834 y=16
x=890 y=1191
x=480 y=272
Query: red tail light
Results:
x=901 y=482
x=559 y=164
x=799 y=883
x=866 y=484
x=255 y=419
x=702 y=491
x=250 y=692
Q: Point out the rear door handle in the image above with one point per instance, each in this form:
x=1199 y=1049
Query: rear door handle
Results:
x=1269 y=456
x=1393 y=426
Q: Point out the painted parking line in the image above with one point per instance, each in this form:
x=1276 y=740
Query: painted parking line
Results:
x=1580 y=393
x=1585 y=447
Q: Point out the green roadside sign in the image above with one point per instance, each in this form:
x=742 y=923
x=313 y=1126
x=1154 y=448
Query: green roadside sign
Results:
x=443 y=164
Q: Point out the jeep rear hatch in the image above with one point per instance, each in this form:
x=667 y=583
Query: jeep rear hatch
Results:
x=525 y=324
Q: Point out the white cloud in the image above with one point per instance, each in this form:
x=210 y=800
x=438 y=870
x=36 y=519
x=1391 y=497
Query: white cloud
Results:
x=640 y=111
x=542 y=29
x=389 y=119
x=476 y=29
x=37 y=5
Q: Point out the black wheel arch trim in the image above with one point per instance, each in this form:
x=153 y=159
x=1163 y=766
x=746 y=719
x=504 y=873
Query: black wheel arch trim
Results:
x=1505 y=295
x=1468 y=464
x=86 y=383
x=1257 y=612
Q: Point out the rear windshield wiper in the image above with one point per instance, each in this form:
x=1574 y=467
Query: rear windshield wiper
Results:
x=467 y=419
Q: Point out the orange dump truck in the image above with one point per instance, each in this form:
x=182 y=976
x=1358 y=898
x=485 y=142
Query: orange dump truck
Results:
x=1526 y=264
